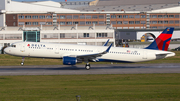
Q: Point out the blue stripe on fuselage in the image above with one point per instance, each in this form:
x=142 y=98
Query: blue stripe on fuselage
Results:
x=108 y=60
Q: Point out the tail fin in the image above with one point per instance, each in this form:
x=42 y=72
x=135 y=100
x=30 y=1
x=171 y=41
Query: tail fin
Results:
x=163 y=40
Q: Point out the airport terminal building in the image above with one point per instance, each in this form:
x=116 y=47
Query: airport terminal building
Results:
x=90 y=23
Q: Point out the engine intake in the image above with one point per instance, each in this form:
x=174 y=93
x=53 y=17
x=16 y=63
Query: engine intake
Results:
x=69 y=60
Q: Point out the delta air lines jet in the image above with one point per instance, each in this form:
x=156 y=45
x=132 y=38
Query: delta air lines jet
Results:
x=72 y=54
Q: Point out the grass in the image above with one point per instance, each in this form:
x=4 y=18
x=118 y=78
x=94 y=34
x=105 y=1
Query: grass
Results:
x=13 y=60
x=128 y=87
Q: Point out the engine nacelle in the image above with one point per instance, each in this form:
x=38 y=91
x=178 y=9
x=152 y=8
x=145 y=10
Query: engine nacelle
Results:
x=69 y=60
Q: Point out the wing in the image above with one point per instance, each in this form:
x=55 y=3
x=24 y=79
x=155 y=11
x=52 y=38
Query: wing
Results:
x=91 y=57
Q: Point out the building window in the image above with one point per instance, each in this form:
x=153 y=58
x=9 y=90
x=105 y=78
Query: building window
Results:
x=119 y=16
x=113 y=22
x=137 y=16
x=113 y=16
x=42 y=23
x=14 y=23
x=75 y=17
x=88 y=16
x=98 y=35
x=94 y=22
x=62 y=17
x=82 y=23
x=14 y=17
x=119 y=22
x=131 y=16
x=154 y=22
x=153 y=16
x=143 y=16
x=94 y=16
x=20 y=23
x=21 y=17
x=154 y=27
x=125 y=22
x=35 y=23
x=165 y=16
x=45 y=36
x=165 y=22
x=27 y=23
x=101 y=34
x=57 y=17
x=35 y=17
x=88 y=22
x=160 y=16
x=86 y=35
x=69 y=23
x=101 y=16
x=171 y=22
x=74 y=23
x=104 y=34
x=176 y=16
x=62 y=23
x=125 y=16
x=176 y=21
x=62 y=35
x=49 y=17
x=48 y=23
x=143 y=22
x=160 y=22
x=171 y=16
x=69 y=17
x=137 y=22
x=131 y=22
x=82 y=17
x=28 y=17
x=41 y=17
x=101 y=22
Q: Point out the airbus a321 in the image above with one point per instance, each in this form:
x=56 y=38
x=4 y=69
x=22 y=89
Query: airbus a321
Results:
x=72 y=54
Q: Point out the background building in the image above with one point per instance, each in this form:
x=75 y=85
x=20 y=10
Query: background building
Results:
x=86 y=22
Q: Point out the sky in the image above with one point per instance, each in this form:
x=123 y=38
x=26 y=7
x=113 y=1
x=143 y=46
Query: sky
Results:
x=52 y=0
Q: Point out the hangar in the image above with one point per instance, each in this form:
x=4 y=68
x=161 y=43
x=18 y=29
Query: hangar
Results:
x=91 y=24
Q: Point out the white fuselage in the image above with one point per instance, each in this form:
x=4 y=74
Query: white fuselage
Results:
x=58 y=51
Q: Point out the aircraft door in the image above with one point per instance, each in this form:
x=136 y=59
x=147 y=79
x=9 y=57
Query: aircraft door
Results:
x=144 y=54
x=56 y=49
x=22 y=47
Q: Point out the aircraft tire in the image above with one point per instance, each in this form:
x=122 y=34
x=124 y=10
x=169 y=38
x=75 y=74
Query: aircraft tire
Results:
x=22 y=63
x=87 y=66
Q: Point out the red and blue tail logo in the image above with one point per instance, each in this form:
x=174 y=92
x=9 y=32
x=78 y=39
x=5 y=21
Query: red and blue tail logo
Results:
x=163 y=40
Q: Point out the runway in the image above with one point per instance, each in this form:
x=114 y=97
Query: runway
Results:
x=95 y=69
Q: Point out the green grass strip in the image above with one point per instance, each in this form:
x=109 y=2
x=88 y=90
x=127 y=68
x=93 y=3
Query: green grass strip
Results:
x=128 y=87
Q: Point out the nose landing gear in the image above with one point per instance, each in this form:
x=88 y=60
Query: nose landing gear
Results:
x=23 y=59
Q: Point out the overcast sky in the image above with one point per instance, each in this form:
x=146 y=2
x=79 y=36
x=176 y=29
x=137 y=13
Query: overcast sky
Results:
x=52 y=0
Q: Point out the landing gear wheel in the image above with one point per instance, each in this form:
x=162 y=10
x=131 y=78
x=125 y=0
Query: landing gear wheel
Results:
x=87 y=66
x=22 y=63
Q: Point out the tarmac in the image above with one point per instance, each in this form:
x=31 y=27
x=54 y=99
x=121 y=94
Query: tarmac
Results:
x=95 y=69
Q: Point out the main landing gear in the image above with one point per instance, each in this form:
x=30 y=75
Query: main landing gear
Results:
x=22 y=63
x=87 y=66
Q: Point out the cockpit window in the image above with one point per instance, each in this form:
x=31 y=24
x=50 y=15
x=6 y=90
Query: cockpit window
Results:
x=13 y=46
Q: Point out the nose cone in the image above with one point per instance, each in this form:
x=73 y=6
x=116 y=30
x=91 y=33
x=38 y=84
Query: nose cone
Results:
x=6 y=50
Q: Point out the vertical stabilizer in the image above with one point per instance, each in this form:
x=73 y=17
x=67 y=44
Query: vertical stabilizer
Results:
x=163 y=40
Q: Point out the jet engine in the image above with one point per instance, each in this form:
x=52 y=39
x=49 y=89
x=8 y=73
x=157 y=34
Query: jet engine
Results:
x=69 y=60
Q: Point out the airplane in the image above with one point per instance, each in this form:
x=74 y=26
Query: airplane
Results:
x=71 y=54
